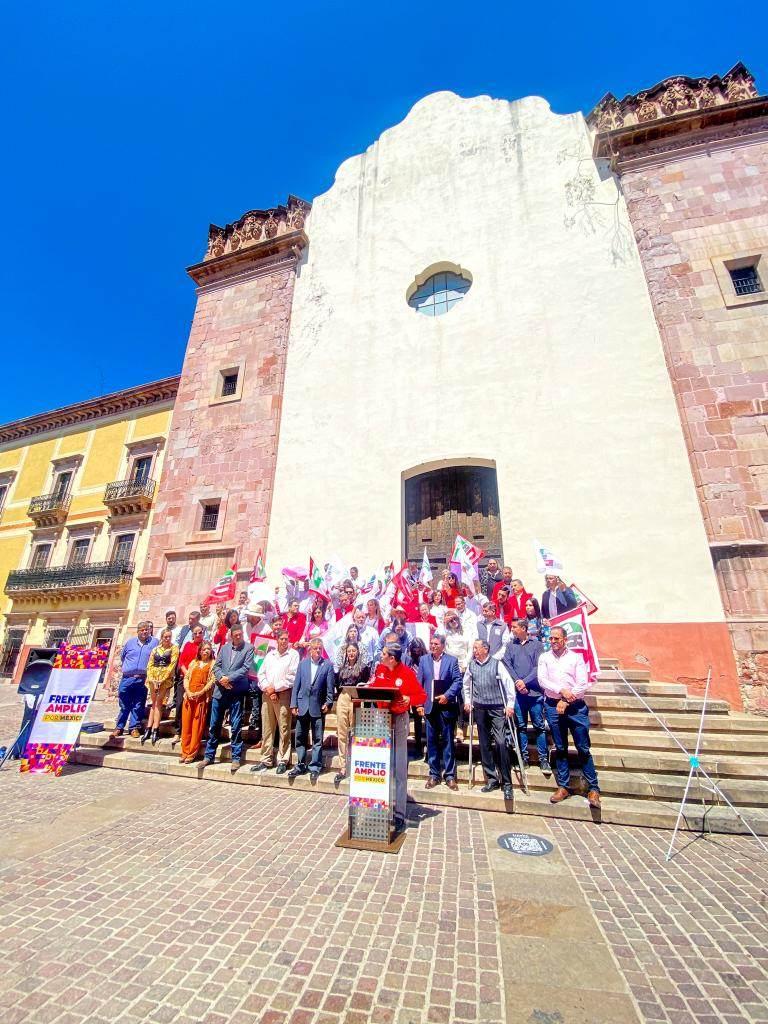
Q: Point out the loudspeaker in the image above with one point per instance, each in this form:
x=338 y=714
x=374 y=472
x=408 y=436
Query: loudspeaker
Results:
x=37 y=669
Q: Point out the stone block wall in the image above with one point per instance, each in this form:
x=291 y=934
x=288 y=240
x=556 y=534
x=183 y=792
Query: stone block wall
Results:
x=221 y=449
x=690 y=211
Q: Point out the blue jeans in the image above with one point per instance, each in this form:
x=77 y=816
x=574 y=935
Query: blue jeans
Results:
x=576 y=718
x=132 y=697
x=531 y=705
x=232 y=702
x=441 y=724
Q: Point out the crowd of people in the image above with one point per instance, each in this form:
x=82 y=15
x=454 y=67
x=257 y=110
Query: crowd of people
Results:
x=485 y=653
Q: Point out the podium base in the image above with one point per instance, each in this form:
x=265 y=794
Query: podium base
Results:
x=372 y=845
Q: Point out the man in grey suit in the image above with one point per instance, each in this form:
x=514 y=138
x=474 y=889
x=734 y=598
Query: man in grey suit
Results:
x=233 y=663
x=311 y=698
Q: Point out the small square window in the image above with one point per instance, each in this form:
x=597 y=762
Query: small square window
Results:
x=210 y=517
x=746 y=280
x=228 y=384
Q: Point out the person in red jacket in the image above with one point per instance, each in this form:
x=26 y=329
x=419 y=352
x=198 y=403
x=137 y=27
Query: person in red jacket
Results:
x=518 y=598
x=295 y=623
x=504 y=606
x=505 y=581
x=392 y=673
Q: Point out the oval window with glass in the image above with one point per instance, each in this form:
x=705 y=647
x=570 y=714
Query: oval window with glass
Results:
x=439 y=293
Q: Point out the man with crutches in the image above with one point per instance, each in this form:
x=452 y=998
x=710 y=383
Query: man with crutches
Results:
x=489 y=701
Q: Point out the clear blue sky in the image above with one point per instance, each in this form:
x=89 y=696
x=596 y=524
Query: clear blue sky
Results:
x=130 y=127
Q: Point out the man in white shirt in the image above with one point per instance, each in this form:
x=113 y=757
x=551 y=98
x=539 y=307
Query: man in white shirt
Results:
x=208 y=619
x=564 y=680
x=278 y=671
x=170 y=623
x=369 y=638
x=468 y=619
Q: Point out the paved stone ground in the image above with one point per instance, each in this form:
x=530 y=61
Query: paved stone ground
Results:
x=691 y=936
x=128 y=897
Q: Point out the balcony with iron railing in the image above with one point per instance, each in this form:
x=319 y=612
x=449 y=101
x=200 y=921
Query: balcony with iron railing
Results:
x=128 y=497
x=61 y=581
x=49 y=509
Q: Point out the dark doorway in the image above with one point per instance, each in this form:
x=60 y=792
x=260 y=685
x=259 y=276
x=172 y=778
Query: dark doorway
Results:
x=440 y=504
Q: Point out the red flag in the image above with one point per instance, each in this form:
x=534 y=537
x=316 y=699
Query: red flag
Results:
x=259 y=573
x=404 y=590
x=224 y=590
x=579 y=637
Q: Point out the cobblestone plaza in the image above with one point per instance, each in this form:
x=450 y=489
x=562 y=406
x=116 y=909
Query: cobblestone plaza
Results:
x=134 y=897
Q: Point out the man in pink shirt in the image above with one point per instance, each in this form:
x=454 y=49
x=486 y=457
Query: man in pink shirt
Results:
x=564 y=680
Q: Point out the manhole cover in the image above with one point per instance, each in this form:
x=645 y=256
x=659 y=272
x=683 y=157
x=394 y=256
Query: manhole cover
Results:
x=524 y=844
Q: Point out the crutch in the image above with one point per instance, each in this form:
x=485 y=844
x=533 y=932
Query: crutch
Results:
x=515 y=741
x=471 y=762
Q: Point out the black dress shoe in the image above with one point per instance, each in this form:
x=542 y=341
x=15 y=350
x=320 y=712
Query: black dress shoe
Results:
x=282 y=768
x=339 y=778
x=508 y=795
x=145 y=736
x=489 y=787
x=261 y=767
x=294 y=773
x=313 y=775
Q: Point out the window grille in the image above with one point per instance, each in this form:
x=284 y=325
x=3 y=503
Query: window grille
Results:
x=228 y=384
x=210 y=518
x=746 y=281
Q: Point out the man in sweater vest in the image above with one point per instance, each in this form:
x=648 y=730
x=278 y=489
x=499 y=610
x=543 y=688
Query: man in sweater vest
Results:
x=492 y=703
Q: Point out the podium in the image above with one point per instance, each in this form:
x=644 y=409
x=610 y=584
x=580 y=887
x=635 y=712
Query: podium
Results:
x=371 y=804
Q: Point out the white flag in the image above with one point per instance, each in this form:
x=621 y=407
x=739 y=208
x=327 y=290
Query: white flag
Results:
x=546 y=560
x=425 y=576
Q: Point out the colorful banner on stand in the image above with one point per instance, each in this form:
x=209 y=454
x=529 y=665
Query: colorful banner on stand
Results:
x=62 y=710
x=369 y=772
x=579 y=636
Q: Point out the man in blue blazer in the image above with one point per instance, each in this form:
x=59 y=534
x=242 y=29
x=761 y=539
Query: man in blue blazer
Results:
x=311 y=699
x=440 y=678
x=234 y=661
x=557 y=598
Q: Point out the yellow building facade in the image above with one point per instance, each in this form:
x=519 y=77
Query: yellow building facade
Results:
x=77 y=489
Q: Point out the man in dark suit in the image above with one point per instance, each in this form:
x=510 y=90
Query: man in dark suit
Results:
x=311 y=699
x=440 y=677
x=557 y=598
x=234 y=661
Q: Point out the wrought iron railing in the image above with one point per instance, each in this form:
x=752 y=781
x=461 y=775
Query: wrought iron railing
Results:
x=68 y=577
x=119 y=490
x=58 y=500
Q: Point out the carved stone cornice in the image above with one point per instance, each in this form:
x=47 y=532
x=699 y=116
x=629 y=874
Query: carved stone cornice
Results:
x=257 y=236
x=672 y=96
x=140 y=397
x=677 y=114
x=263 y=257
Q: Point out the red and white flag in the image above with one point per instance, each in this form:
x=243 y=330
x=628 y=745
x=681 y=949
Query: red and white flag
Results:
x=259 y=573
x=462 y=545
x=224 y=590
x=317 y=584
x=579 y=637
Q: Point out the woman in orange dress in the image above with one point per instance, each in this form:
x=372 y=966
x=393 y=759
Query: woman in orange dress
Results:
x=198 y=687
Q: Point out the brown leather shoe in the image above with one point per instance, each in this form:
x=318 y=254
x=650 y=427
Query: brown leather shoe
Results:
x=135 y=734
x=452 y=784
x=431 y=783
x=116 y=734
x=593 y=798
x=559 y=795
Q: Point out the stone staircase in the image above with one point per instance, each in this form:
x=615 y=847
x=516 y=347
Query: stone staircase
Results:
x=642 y=772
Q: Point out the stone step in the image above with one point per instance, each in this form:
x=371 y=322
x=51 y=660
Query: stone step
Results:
x=633 y=675
x=739 y=744
x=607 y=720
x=638 y=774
x=615 y=810
x=649 y=690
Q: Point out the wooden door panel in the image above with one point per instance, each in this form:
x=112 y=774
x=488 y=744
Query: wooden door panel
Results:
x=440 y=504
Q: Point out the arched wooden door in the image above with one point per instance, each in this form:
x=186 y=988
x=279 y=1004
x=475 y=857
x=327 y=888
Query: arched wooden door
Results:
x=444 y=502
